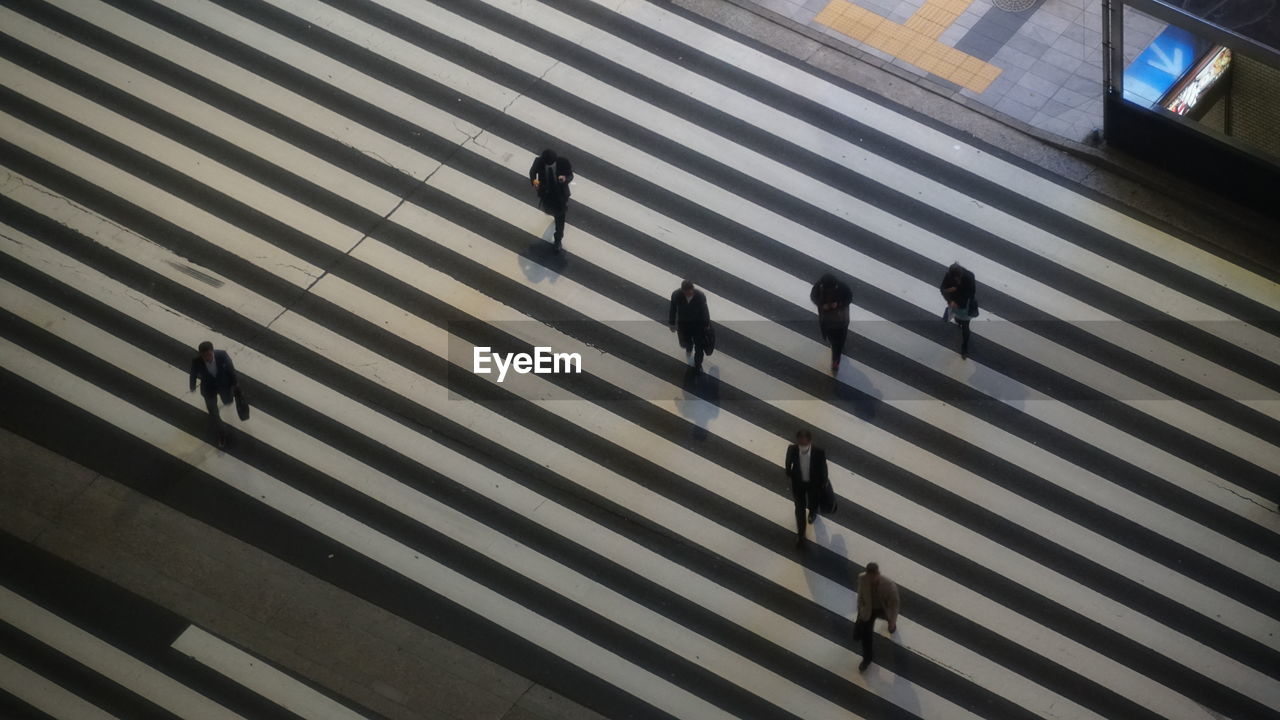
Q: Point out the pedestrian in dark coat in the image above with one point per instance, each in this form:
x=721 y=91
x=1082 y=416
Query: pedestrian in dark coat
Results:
x=806 y=468
x=832 y=297
x=550 y=175
x=217 y=376
x=877 y=597
x=960 y=290
x=690 y=319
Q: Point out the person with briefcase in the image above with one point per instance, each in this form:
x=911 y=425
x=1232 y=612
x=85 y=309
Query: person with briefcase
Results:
x=806 y=467
x=218 y=379
x=690 y=319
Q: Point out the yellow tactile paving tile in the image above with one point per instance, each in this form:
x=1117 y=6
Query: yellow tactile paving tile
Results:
x=916 y=41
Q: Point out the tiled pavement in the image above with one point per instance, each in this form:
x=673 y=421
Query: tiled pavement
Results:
x=1044 y=64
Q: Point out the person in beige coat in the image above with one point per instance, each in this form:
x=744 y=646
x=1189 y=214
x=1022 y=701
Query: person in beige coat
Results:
x=877 y=597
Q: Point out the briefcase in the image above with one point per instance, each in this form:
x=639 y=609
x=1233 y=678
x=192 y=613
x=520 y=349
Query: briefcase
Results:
x=827 y=501
x=242 y=405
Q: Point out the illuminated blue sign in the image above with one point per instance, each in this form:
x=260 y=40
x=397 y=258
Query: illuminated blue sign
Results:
x=1159 y=66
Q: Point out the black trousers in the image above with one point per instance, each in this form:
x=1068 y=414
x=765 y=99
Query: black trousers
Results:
x=864 y=631
x=215 y=419
x=692 y=336
x=964 y=336
x=806 y=497
x=836 y=336
x=557 y=211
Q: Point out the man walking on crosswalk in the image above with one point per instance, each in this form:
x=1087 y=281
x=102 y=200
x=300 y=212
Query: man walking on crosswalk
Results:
x=877 y=597
x=551 y=175
x=832 y=298
x=690 y=319
x=217 y=376
x=806 y=467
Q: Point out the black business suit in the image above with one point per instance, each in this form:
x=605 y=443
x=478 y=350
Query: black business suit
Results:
x=222 y=384
x=553 y=195
x=807 y=495
x=691 y=318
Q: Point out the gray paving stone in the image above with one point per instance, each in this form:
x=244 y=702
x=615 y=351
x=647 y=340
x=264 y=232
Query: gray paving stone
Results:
x=1039 y=33
x=979 y=45
x=1051 y=73
x=1004 y=82
x=1015 y=109
x=996 y=31
x=1026 y=96
x=1038 y=84
x=1049 y=21
x=883 y=9
x=1075 y=33
x=1028 y=45
x=952 y=34
x=1060 y=59
x=1008 y=56
x=1069 y=47
x=1071 y=99
x=1070 y=13
x=1054 y=108
x=1085 y=83
x=805 y=16
x=967 y=19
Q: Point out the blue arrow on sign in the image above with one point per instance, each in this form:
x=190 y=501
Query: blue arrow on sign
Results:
x=1159 y=66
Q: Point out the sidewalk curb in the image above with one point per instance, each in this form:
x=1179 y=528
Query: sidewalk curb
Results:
x=1182 y=206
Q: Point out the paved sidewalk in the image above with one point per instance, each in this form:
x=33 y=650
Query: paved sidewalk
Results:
x=261 y=603
x=1037 y=61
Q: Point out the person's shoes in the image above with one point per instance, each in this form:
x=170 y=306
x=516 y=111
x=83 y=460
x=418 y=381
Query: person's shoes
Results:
x=835 y=366
x=799 y=541
x=812 y=516
x=697 y=367
x=964 y=352
x=222 y=441
x=862 y=666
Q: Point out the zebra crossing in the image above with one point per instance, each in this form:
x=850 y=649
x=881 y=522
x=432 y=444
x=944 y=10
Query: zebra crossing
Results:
x=67 y=635
x=1082 y=516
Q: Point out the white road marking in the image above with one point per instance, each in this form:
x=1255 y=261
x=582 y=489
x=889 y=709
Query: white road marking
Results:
x=79 y=645
x=47 y=697
x=260 y=677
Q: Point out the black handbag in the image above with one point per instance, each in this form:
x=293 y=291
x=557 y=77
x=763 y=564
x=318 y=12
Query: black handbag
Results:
x=709 y=340
x=827 y=501
x=242 y=405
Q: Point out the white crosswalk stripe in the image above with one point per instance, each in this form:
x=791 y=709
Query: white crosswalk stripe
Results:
x=1082 y=518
